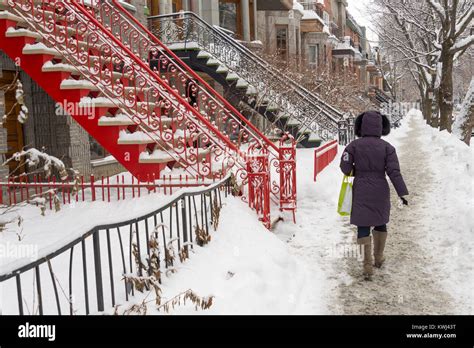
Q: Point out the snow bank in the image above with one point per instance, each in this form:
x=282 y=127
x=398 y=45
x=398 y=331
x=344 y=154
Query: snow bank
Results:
x=246 y=268
x=316 y=238
x=449 y=211
x=464 y=114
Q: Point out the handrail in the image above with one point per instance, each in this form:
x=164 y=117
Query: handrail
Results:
x=148 y=96
x=155 y=75
x=142 y=71
x=112 y=251
x=192 y=192
x=247 y=51
x=194 y=74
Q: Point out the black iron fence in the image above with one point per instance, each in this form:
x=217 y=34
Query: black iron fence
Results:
x=89 y=274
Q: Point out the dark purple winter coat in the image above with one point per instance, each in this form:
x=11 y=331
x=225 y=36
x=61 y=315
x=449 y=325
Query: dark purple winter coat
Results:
x=369 y=158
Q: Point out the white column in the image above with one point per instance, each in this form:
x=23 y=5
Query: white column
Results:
x=210 y=11
x=255 y=20
x=245 y=9
x=195 y=7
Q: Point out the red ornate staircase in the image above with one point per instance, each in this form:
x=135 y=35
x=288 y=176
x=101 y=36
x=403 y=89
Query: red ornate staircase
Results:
x=84 y=55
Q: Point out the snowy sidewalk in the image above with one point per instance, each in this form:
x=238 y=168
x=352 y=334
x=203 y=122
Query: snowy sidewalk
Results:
x=430 y=246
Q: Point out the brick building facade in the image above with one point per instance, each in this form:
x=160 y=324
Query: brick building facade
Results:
x=57 y=133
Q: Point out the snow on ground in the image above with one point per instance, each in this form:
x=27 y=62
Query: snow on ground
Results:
x=43 y=234
x=448 y=209
x=314 y=267
x=316 y=238
x=430 y=245
x=245 y=268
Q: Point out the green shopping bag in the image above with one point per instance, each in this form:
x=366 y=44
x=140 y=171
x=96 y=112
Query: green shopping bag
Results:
x=344 y=206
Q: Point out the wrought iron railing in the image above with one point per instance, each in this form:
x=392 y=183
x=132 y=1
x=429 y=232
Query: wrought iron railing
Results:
x=297 y=101
x=87 y=274
x=101 y=41
x=85 y=44
x=143 y=43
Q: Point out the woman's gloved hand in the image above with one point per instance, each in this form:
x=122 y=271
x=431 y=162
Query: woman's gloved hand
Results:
x=404 y=201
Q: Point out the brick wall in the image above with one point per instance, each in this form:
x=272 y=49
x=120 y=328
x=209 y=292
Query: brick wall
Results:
x=59 y=135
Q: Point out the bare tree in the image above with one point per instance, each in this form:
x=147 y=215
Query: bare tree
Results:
x=428 y=36
x=454 y=17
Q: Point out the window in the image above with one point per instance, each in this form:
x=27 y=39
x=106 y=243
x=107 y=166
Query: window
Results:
x=177 y=6
x=282 y=41
x=97 y=151
x=326 y=17
x=313 y=56
x=228 y=16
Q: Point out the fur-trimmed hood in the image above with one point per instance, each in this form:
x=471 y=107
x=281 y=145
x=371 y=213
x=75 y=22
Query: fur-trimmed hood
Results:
x=372 y=123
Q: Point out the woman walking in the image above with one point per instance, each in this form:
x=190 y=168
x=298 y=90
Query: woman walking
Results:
x=369 y=158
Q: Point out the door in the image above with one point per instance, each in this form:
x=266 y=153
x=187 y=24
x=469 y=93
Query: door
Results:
x=15 y=140
x=230 y=16
x=177 y=5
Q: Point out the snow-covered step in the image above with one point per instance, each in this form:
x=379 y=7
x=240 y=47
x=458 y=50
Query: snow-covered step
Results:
x=99 y=102
x=204 y=55
x=60 y=67
x=272 y=107
x=136 y=138
x=78 y=84
x=283 y=115
x=12 y=32
x=222 y=69
x=232 y=77
x=158 y=156
x=117 y=120
x=40 y=48
x=99 y=60
x=10 y=16
x=293 y=122
x=251 y=90
x=313 y=137
x=184 y=46
x=212 y=62
x=241 y=83
x=136 y=90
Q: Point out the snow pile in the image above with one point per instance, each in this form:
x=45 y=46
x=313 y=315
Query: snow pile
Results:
x=448 y=211
x=298 y=7
x=255 y=273
x=317 y=238
x=464 y=114
x=310 y=14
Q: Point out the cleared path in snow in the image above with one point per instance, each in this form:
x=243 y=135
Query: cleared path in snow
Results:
x=411 y=280
x=405 y=284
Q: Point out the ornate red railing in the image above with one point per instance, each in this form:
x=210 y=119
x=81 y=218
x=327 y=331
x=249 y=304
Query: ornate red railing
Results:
x=323 y=156
x=101 y=41
x=85 y=44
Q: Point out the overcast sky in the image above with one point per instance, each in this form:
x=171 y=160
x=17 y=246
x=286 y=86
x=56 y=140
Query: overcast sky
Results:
x=359 y=9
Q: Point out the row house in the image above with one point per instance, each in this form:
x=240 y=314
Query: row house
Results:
x=317 y=33
x=237 y=16
x=47 y=127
